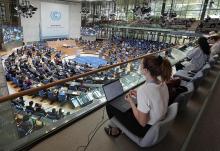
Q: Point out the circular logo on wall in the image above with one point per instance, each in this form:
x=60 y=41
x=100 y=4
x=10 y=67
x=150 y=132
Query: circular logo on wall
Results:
x=55 y=15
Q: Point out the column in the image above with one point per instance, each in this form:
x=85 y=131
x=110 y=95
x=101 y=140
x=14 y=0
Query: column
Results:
x=163 y=7
x=205 y=5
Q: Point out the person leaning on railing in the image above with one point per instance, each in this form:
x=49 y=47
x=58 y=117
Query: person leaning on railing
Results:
x=152 y=99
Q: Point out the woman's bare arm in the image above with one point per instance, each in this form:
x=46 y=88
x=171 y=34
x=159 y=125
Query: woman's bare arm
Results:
x=141 y=117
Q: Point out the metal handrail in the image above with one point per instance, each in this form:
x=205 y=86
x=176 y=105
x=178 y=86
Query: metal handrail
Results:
x=62 y=81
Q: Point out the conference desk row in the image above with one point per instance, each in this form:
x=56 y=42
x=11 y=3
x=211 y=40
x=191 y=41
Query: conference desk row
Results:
x=93 y=97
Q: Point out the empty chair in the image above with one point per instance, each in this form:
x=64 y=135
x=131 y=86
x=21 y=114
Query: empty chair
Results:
x=189 y=75
x=73 y=87
x=52 y=117
x=89 y=81
x=8 y=76
x=25 y=87
x=184 y=74
x=197 y=79
x=62 y=97
x=206 y=69
x=212 y=62
x=20 y=84
x=51 y=95
x=42 y=93
x=183 y=98
x=45 y=81
x=156 y=133
x=17 y=83
x=39 y=114
x=14 y=80
x=29 y=111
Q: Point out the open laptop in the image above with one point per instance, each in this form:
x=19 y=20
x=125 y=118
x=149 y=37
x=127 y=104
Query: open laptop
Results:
x=114 y=95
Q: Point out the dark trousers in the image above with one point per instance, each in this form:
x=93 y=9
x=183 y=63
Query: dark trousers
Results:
x=128 y=120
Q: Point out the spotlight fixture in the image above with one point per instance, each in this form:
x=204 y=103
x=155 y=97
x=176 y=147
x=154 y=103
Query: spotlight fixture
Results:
x=143 y=11
x=171 y=14
x=85 y=10
x=25 y=9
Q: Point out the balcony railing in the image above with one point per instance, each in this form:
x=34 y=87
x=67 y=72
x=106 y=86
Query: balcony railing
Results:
x=78 y=96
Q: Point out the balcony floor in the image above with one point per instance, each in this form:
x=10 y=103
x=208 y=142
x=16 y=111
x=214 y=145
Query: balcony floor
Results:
x=76 y=134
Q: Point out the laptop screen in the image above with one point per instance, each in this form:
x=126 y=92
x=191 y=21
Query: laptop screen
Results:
x=113 y=90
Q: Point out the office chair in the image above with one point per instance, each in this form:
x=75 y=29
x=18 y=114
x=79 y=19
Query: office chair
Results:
x=62 y=97
x=51 y=96
x=42 y=93
x=183 y=98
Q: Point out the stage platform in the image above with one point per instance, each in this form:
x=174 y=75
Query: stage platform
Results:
x=69 y=47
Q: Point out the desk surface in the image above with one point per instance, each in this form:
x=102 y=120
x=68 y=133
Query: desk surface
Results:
x=72 y=92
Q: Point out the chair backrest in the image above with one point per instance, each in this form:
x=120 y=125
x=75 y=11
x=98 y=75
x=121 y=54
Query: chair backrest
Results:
x=62 y=97
x=158 y=131
x=212 y=61
x=51 y=96
x=39 y=114
x=197 y=79
x=206 y=69
x=17 y=82
x=29 y=111
x=52 y=117
x=183 y=98
x=42 y=93
x=14 y=80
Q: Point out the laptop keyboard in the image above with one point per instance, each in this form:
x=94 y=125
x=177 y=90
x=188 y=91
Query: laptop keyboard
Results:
x=121 y=104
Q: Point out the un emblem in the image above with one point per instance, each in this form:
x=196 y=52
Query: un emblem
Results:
x=55 y=15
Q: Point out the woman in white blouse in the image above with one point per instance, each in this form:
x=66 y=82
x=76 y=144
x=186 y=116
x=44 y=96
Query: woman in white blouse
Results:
x=152 y=99
x=197 y=57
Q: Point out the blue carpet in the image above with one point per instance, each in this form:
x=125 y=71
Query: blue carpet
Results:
x=95 y=62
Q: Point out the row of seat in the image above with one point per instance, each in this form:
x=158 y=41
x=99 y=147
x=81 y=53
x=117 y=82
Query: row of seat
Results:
x=27 y=125
x=152 y=23
x=36 y=111
x=158 y=131
x=51 y=95
x=23 y=86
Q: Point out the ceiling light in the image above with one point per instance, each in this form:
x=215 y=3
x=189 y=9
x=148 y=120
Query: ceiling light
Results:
x=25 y=9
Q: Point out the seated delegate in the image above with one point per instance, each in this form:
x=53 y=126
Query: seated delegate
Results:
x=152 y=99
x=197 y=57
x=30 y=107
x=25 y=126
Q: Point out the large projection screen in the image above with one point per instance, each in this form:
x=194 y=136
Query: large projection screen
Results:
x=54 y=20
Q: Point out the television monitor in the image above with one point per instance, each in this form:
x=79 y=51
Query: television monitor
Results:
x=75 y=102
